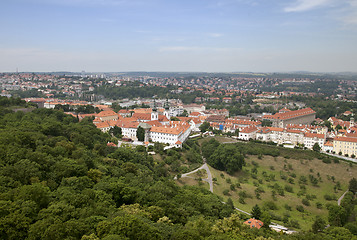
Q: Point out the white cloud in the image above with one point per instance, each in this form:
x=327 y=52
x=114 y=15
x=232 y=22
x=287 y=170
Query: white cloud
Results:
x=306 y=5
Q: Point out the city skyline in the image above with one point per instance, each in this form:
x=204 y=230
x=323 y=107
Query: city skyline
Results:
x=178 y=36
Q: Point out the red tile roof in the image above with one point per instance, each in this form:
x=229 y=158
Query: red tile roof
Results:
x=314 y=135
x=345 y=139
x=254 y=223
x=249 y=129
x=291 y=114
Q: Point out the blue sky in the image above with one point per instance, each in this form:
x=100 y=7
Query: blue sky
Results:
x=178 y=35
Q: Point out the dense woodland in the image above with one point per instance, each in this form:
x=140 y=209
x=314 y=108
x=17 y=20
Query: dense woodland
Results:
x=60 y=180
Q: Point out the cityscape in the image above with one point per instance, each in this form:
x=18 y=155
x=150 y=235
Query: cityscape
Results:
x=215 y=119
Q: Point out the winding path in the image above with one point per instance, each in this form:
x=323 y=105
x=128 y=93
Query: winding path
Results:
x=209 y=175
x=340 y=199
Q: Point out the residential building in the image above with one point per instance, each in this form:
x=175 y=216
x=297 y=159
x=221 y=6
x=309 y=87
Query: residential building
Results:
x=345 y=145
x=282 y=119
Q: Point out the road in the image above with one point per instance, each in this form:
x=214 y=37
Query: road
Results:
x=343 y=157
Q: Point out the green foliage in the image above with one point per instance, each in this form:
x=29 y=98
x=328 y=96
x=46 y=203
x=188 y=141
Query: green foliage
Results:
x=116 y=131
x=353 y=185
x=226 y=158
x=316 y=147
x=204 y=127
x=140 y=134
x=59 y=180
x=256 y=212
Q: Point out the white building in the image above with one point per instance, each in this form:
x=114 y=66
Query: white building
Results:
x=248 y=133
x=311 y=138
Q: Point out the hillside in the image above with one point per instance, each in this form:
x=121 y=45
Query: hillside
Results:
x=60 y=180
x=293 y=186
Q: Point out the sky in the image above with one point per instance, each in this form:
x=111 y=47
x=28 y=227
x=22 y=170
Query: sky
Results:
x=178 y=35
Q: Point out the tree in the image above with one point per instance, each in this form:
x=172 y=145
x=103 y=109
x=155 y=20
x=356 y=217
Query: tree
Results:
x=337 y=215
x=174 y=119
x=318 y=225
x=227 y=158
x=353 y=185
x=140 y=134
x=266 y=219
x=316 y=147
x=256 y=212
x=204 y=127
x=116 y=131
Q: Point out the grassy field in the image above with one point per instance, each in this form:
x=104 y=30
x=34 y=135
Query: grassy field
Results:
x=258 y=180
x=194 y=179
x=294 y=187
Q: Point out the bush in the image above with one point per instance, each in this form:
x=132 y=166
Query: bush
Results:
x=294 y=223
x=331 y=197
x=270 y=205
x=289 y=188
x=311 y=196
x=306 y=202
x=291 y=180
x=287 y=207
x=226 y=192
x=319 y=205
x=300 y=208
x=326 y=160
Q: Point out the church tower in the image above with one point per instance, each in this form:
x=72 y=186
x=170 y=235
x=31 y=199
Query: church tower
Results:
x=154 y=113
x=167 y=109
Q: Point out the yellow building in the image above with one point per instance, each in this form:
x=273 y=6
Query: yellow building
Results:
x=345 y=145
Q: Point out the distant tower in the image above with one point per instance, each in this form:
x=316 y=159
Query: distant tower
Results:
x=167 y=109
x=154 y=113
x=352 y=121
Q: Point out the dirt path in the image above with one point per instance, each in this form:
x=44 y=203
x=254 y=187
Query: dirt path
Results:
x=209 y=175
x=340 y=199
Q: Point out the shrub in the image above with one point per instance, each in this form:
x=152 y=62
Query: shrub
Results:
x=291 y=180
x=326 y=160
x=228 y=180
x=300 y=208
x=242 y=194
x=226 y=192
x=319 y=205
x=311 y=196
x=293 y=175
x=287 y=207
x=294 y=223
x=289 y=188
x=270 y=205
x=305 y=201
x=331 y=197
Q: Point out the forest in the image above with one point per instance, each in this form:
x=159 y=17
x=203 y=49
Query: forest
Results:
x=60 y=180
